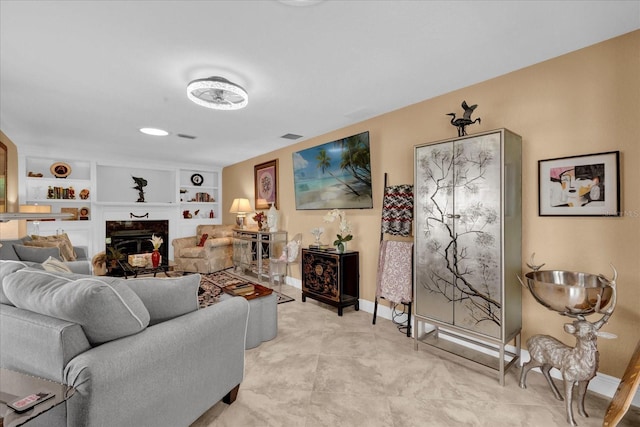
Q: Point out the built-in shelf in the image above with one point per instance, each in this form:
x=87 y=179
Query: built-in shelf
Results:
x=109 y=193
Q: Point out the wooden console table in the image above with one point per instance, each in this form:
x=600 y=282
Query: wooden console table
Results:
x=331 y=277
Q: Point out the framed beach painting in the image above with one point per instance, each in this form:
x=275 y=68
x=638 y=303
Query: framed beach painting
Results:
x=335 y=175
x=266 y=184
x=586 y=185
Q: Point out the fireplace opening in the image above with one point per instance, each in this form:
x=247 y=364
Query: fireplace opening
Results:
x=126 y=239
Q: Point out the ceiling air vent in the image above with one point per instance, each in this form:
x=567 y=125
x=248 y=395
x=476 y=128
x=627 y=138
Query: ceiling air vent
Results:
x=182 y=135
x=291 y=136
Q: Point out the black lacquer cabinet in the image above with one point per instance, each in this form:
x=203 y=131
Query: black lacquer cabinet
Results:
x=332 y=278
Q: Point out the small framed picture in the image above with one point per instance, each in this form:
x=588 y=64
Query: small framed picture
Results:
x=586 y=185
x=266 y=184
x=72 y=211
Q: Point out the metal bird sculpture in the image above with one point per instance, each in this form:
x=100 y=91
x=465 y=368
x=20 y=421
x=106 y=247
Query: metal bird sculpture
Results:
x=464 y=121
x=140 y=184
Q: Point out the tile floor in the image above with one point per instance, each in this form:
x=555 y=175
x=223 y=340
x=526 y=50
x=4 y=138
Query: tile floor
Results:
x=325 y=370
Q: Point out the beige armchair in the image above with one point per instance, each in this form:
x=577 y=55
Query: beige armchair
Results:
x=215 y=254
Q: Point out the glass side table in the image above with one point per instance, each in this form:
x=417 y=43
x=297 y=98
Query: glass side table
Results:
x=14 y=385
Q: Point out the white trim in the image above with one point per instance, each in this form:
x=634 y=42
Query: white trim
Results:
x=603 y=384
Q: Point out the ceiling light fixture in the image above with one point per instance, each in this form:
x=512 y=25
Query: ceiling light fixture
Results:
x=154 y=131
x=217 y=93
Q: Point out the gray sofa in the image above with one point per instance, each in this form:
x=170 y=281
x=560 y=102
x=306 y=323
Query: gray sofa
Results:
x=139 y=352
x=17 y=251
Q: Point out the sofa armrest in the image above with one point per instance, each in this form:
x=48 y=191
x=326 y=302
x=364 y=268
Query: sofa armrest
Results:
x=37 y=344
x=79 y=267
x=81 y=253
x=168 y=374
x=183 y=242
x=211 y=244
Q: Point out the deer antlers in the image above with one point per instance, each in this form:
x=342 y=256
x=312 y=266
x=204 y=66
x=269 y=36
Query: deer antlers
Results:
x=612 y=305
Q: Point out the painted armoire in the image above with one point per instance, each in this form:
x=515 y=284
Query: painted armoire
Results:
x=468 y=247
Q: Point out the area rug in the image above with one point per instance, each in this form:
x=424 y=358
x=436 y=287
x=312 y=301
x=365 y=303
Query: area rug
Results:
x=211 y=287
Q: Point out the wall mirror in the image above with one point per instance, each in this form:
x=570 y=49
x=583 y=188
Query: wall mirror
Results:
x=3 y=177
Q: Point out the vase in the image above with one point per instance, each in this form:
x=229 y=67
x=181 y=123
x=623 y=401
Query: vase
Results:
x=260 y=225
x=341 y=247
x=155 y=258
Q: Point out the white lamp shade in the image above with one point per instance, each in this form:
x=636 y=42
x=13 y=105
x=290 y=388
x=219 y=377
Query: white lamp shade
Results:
x=240 y=206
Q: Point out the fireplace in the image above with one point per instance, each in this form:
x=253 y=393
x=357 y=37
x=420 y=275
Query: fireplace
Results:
x=125 y=238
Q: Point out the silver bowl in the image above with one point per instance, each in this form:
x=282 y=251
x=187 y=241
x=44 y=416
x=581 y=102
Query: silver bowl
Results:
x=568 y=292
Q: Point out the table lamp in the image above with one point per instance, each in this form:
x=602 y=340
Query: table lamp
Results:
x=240 y=207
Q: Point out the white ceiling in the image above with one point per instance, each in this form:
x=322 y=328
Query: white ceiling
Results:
x=85 y=75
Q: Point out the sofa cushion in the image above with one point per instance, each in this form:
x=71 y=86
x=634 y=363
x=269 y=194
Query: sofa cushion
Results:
x=7 y=251
x=106 y=308
x=167 y=298
x=213 y=230
x=56 y=266
x=67 y=250
x=35 y=253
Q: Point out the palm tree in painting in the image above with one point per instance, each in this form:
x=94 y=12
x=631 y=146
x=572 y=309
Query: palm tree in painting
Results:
x=354 y=160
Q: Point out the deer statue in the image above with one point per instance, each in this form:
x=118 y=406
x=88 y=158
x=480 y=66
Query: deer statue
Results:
x=579 y=364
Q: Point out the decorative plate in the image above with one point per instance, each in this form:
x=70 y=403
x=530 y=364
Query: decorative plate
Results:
x=60 y=170
x=197 y=179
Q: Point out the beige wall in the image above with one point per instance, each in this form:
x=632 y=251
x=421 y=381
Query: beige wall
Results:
x=584 y=102
x=12 y=173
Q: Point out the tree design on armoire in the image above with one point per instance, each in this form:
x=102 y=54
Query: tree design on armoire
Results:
x=459 y=184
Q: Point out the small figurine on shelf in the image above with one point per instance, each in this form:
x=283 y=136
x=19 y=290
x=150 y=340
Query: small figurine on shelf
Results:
x=72 y=193
x=211 y=214
x=186 y=214
x=140 y=184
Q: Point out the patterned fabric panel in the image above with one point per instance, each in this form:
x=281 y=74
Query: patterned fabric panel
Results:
x=397 y=210
x=394 y=271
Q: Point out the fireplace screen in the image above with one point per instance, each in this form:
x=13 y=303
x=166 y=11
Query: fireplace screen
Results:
x=129 y=240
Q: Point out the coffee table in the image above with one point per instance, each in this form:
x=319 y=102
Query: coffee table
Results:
x=130 y=270
x=14 y=385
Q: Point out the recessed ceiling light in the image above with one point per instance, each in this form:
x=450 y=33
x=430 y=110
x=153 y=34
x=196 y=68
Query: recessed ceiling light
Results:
x=154 y=131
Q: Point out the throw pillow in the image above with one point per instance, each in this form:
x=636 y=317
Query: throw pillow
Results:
x=66 y=248
x=106 y=308
x=167 y=298
x=35 y=253
x=56 y=266
x=203 y=239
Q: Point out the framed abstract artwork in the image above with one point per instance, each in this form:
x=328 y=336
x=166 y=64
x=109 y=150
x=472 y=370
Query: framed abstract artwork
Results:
x=586 y=185
x=266 y=184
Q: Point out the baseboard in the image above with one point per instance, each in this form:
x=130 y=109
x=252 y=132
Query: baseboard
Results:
x=603 y=384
